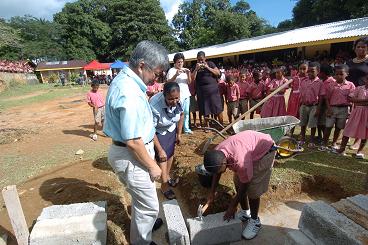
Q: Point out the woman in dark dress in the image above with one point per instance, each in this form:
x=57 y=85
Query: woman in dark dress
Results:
x=205 y=75
x=358 y=67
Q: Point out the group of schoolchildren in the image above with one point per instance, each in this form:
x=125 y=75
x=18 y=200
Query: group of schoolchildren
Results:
x=320 y=97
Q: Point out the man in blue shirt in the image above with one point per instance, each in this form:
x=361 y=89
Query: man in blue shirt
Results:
x=129 y=122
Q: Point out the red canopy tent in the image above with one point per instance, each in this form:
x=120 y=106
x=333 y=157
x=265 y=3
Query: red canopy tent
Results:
x=95 y=65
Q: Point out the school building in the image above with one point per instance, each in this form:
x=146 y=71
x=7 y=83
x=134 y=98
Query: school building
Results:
x=51 y=71
x=331 y=39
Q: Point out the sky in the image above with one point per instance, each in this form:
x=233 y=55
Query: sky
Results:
x=271 y=10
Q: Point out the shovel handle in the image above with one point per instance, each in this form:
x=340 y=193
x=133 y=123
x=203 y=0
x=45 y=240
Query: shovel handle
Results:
x=285 y=85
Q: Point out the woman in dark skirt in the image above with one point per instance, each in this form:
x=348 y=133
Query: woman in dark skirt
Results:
x=168 y=119
x=205 y=75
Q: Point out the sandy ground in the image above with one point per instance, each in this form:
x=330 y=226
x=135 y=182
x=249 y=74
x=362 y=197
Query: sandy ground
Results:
x=43 y=165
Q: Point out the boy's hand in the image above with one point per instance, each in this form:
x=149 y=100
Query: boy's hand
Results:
x=162 y=156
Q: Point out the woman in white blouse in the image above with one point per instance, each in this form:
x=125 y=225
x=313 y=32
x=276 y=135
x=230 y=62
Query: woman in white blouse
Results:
x=182 y=76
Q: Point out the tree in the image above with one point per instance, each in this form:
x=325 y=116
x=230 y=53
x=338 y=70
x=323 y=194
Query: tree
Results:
x=10 y=41
x=313 y=12
x=41 y=39
x=84 y=32
x=207 y=22
x=134 y=21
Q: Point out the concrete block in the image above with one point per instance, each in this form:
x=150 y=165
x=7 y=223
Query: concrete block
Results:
x=353 y=212
x=324 y=225
x=214 y=230
x=297 y=237
x=3 y=238
x=72 y=210
x=360 y=200
x=80 y=230
x=177 y=230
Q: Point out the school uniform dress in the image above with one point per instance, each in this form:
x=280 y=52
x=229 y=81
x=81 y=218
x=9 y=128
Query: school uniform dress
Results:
x=243 y=100
x=357 y=124
x=294 y=98
x=208 y=96
x=250 y=155
x=165 y=119
x=337 y=96
x=183 y=81
x=129 y=116
x=275 y=106
x=310 y=92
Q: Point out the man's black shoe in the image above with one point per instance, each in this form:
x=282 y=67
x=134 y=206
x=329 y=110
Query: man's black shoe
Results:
x=158 y=224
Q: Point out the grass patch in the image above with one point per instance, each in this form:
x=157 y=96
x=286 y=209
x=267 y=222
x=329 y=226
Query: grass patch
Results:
x=50 y=93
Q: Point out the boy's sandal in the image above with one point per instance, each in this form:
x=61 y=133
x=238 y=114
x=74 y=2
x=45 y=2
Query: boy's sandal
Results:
x=173 y=182
x=311 y=145
x=169 y=194
x=359 y=156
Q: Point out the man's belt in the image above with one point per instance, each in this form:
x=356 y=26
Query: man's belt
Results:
x=122 y=144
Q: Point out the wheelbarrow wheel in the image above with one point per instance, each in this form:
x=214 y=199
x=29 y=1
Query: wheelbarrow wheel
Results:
x=286 y=142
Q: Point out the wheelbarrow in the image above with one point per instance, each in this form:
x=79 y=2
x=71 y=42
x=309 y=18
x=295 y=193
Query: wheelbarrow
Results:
x=277 y=127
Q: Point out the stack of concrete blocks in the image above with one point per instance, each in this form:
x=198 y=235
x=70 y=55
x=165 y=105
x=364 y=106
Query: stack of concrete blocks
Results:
x=343 y=222
x=80 y=223
x=212 y=229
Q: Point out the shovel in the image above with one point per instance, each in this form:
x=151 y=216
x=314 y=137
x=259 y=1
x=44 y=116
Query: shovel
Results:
x=210 y=140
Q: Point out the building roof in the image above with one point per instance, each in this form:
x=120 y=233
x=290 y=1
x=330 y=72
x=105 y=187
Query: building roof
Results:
x=95 y=65
x=60 y=65
x=341 y=31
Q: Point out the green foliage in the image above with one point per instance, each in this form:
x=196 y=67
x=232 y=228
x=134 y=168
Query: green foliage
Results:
x=313 y=12
x=10 y=41
x=207 y=22
x=84 y=33
x=41 y=39
x=134 y=21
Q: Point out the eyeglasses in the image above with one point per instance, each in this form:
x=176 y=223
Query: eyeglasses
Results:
x=157 y=74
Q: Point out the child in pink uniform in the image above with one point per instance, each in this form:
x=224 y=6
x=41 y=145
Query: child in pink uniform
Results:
x=357 y=125
x=310 y=92
x=243 y=87
x=337 y=101
x=232 y=97
x=275 y=106
x=294 y=99
x=325 y=74
x=256 y=91
x=97 y=102
x=154 y=88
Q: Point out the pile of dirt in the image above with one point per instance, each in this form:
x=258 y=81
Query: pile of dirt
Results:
x=10 y=135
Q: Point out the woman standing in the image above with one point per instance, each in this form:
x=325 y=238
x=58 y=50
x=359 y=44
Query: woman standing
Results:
x=358 y=67
x=168 y=120
x=205 y=75
x=182 y=76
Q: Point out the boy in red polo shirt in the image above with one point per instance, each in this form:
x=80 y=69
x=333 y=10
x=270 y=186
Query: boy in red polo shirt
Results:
x=310 y=92
x=250 y=155
x=97 y=102
x=232 y=97
x=243 y=87
x=337 y=102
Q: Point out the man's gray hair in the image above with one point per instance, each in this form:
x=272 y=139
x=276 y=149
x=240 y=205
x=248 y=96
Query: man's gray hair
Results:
x=153 y=54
